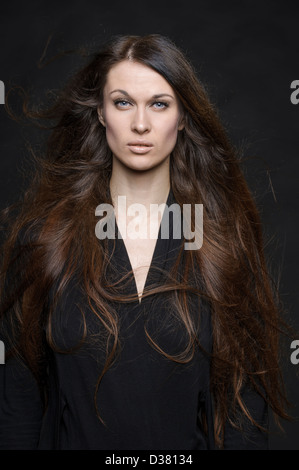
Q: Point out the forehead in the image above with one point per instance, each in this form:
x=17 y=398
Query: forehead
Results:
x=134 y=77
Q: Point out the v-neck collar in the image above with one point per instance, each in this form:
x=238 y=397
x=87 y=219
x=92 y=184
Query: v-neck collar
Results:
x=162 y=247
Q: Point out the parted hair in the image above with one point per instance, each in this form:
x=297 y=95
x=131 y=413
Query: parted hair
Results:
x=48 y=243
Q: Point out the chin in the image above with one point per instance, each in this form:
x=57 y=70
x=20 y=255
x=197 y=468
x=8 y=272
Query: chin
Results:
x=140 y=164
x=143 y=163
x=141 y=168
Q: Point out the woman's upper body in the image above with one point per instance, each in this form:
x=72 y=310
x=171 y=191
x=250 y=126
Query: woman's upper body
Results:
x=174 y=361
x=146 y=401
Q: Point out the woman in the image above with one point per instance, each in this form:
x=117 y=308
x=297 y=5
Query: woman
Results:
x=125 y=342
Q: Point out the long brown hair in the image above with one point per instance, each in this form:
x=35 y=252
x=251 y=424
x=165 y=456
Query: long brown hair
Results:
x=54 y=229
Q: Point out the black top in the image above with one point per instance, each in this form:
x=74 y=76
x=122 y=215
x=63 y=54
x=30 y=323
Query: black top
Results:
x=146 y=400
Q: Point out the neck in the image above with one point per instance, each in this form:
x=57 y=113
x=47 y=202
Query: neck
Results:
x=143 y=187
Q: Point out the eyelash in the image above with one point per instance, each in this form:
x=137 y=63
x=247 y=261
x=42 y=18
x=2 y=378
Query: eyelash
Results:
x=165 y=105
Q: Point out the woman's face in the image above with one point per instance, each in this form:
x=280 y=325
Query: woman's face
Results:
x=141 y=114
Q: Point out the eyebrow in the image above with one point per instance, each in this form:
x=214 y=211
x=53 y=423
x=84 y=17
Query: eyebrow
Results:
x=124 y=92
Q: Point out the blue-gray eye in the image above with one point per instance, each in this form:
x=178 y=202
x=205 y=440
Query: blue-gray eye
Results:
x=160 y=104
x=121 y=103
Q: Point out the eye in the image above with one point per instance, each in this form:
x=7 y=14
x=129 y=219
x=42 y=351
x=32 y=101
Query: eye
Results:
x=160 y=104
x=122 y=103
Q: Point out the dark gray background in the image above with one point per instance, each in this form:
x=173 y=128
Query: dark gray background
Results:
x=245 y=52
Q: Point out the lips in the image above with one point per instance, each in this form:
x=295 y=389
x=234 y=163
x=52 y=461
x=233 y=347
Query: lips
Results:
x=140 y=146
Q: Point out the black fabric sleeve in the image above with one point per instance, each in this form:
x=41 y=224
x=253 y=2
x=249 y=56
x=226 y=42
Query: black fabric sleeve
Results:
x=249 y=437
x=20 y=407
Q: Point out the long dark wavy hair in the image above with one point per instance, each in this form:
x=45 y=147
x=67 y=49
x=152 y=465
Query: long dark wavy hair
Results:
x=48 y=243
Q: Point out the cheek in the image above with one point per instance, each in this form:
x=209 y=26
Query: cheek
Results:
x=170 y=133
x=113 y=132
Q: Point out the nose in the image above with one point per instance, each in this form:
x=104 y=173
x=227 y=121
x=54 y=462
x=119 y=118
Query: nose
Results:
x=140 y=121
